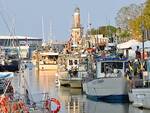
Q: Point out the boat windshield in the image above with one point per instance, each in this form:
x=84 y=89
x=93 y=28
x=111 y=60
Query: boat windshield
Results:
x=110 y=66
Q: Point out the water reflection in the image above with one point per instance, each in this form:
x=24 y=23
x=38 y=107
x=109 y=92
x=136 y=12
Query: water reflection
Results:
x=72 y=100
x=137 y=110
x=102 y=107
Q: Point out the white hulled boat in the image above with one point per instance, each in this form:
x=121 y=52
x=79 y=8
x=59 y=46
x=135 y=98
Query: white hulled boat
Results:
x=110 y=84
x=46 y=60
x=139 y=94
x=74 y=73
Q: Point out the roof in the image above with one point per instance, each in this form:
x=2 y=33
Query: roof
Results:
x=98 y=59
x=19 y=37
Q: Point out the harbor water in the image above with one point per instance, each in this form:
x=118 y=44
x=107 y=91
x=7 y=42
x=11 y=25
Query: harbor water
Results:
x=72 y=100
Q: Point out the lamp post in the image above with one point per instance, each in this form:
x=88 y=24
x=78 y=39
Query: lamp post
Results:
x=143 y=29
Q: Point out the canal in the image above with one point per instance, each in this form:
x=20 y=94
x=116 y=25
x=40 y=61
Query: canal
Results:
x=72 y=100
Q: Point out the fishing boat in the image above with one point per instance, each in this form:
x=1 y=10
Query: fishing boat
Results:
x=75 y=71
x=45 y=60
x=139 y=93
x=10 y=60
x=4 y=76
x=48 y=61
x=110 y=83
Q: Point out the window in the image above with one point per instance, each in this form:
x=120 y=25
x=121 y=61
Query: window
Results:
x=70 y=62
x=111 y=65
x=75 y=62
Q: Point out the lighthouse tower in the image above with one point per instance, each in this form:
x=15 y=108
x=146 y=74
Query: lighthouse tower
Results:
x=76 y=30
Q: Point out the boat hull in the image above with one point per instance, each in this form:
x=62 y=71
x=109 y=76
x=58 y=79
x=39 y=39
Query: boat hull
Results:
x=48 y=67
x=140 y=97
x=107 y=89
x=64 y=82
x=11 y=67
x=75 y=82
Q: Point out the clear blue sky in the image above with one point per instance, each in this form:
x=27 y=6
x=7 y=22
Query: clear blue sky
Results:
x=26 y=15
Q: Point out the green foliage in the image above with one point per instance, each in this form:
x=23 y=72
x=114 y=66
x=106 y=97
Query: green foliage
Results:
x=124 y=34
x=146 y=15
x=105 y=30
x=143 y=19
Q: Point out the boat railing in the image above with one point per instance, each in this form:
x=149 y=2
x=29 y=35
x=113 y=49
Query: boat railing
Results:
x=139 y=83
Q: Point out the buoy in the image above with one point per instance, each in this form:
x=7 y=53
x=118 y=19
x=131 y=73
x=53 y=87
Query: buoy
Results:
x=48 y=105
x=58 y=105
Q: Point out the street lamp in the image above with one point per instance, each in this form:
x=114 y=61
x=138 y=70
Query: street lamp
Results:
x=143 y=29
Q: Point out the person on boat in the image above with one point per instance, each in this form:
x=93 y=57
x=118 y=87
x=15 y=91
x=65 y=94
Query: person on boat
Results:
x=75 y=72
x=137 y=52
x=131 y=74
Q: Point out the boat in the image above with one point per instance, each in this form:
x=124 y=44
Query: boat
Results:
x=74 y=72
x=48 y=61
x=45 y=60
x=10 y=60
x=110 y=83
x=24 y=52
x=139 y=93
x=4 y=76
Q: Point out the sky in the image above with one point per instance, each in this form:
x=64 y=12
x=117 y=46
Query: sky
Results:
x=24 y=17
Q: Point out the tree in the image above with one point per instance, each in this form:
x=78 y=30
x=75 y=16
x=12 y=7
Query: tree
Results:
x=143 y=19
x=105 y=30
x=125 y=14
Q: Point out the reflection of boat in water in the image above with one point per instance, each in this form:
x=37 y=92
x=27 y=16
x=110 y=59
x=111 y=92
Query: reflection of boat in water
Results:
x=72 y=99
x=102 y=107
x=110 y=84
x=70 y=91
x=133 y=109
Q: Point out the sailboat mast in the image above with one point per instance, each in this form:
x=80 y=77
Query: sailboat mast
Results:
x=43 y=29
x=51 y=33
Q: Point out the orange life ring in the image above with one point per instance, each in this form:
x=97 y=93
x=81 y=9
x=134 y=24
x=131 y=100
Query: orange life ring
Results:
x=58 y=105
x=48 y=105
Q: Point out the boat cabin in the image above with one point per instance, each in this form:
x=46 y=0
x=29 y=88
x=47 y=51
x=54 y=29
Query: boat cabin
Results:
x=111 y=67
x=49 y=58
x=72 y=63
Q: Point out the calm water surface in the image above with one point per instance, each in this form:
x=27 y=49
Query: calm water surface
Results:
x=72 y=100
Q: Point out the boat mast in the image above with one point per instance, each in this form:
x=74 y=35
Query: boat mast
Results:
x=43 y=30
x=51 y=33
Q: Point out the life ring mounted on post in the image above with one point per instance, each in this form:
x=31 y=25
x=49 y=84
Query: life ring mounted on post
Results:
x=48 y=105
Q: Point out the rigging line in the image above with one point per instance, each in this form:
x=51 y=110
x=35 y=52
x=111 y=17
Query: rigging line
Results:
x=7 y=26
x=28 y=86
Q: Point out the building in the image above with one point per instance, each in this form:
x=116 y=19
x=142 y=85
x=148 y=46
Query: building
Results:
x=16 y=41
x=76 y=31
